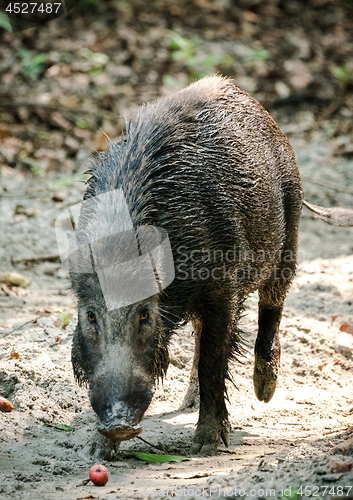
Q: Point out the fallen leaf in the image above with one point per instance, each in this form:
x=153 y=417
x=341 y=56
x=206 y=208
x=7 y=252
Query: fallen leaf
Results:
x=58 y=119
x=14 y=354
x=27 y=211
x=198 y=475
x=44 y=359
x=83 y=483
x=14 y=279
x=61 y=427
x=340 y=466
x=160 y=459
x=333 y=318
x=346 y=327
x=246 y=457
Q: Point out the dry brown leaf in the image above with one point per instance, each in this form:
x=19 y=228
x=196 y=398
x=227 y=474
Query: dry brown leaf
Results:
x=246 y=457
x=14 y=354
x=87 y=497
x=5 y=131
x=333 y=318
x=59 y=120
x=346 y=327
x=340 y=466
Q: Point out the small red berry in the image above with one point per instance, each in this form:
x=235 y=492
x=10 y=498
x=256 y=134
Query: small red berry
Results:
x=98 y=474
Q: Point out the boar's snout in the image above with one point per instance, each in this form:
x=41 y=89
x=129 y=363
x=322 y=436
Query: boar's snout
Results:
x=119 y=407
x=119 y=430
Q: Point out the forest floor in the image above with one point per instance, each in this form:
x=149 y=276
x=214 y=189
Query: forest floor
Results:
x=65 y=83
x=293 y=441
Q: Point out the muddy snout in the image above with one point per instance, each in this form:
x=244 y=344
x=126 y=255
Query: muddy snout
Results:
x=120 y=408
x=119 y=430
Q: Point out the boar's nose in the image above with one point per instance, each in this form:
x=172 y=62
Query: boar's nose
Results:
x=119 y=409
x=119 y=430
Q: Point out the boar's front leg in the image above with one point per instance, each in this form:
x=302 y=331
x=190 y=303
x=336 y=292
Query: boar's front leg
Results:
x=215 y=350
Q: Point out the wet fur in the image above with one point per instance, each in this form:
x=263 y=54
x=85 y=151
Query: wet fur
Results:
x=212 y=168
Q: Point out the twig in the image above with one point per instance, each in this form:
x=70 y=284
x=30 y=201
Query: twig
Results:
x=329 y=185
x=24 y=324
x=153 y=445
x=36 y=260
x=289 y=423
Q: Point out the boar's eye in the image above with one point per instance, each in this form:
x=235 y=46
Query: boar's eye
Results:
x=144 y=316
x=92 y=317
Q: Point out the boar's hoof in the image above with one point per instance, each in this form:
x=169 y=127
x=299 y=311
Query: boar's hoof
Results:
x=265 y=378
x=99 y=448
x=208 y=437
x=120 y=432
x=207 y=450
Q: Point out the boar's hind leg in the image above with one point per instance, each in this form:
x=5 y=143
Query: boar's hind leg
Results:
x=215 y=350
x=271 y=298
x=267 y=351
x=192 y=394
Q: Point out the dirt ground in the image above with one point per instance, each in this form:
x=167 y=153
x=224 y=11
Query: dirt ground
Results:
x=291 y=442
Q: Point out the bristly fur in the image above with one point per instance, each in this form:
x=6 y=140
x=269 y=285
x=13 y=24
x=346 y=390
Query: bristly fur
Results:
x=209 y=166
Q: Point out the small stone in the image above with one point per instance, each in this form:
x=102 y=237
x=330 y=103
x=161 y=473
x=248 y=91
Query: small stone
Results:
x=58 y=196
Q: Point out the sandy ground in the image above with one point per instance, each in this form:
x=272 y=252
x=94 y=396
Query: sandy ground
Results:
x=290 y=442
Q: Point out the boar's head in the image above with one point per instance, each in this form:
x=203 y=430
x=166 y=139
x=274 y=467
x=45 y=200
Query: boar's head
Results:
x=119 y=354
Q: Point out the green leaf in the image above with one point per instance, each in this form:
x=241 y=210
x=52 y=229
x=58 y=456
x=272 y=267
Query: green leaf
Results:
x=261 y=54
x=94 y=57
x=159 y=459
x=4 y=22
x=178 y=42
x=342 y=74
x=39 y=59
x=61 y=427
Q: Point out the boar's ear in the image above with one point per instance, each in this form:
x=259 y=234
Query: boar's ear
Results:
x=79 y=364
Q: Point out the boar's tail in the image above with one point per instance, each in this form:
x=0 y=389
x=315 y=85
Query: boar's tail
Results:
x=336 y=216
